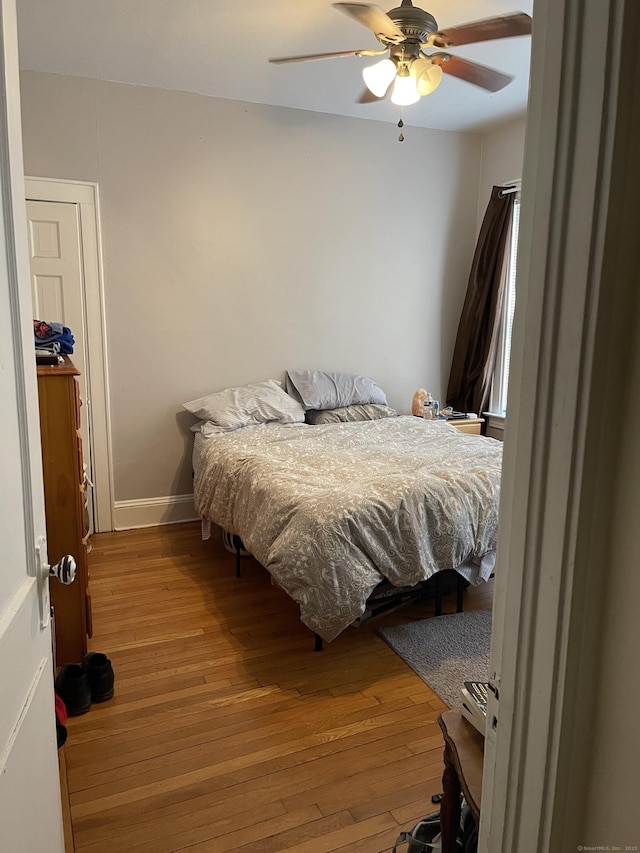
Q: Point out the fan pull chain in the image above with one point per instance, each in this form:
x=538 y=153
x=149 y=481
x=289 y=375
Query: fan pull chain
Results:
x=401 y=125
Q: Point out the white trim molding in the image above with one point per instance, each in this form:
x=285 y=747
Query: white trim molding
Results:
x=150 y=512
x=574 y=324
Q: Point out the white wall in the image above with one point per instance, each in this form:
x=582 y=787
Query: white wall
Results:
x=502 y=154
x=610 y=808
x=242 y=239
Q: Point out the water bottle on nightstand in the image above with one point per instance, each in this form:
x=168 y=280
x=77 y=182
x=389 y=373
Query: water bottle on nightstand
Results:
x=431 y=408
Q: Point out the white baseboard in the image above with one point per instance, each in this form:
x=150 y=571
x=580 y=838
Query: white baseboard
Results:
x=149 y=512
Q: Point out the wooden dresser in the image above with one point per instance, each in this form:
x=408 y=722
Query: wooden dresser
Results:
x=63 y=473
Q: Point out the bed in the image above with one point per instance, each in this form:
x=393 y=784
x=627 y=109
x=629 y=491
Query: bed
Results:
x=334 y=510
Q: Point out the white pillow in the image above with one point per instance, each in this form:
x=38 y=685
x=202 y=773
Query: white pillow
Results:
x=256 y=403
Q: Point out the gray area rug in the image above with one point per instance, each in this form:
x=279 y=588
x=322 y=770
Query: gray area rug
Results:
x=445 y=651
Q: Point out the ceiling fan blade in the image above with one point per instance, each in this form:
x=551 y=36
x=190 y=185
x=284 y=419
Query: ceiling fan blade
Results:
x=503 y=27
x=336 y=55
x=472 y=72
x=375 y=19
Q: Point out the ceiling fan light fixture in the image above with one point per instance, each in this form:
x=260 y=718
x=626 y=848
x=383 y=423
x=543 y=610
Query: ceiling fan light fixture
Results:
x=378 y=77
x=427 y=76
x=404 y=90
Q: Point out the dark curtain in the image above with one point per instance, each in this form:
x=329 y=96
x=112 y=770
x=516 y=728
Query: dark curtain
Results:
x=474 y=356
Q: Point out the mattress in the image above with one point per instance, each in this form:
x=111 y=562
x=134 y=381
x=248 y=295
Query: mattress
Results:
x=333 y=510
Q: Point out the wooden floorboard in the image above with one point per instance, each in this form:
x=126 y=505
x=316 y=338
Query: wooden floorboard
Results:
x=227 y=732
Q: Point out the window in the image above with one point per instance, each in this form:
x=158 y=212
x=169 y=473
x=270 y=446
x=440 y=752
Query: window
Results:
x=500 y=386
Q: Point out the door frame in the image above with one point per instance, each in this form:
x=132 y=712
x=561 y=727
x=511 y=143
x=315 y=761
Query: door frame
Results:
x=574 y=323
x=85 y=195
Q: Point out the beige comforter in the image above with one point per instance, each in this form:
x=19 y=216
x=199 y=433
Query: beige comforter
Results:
x=332 y=510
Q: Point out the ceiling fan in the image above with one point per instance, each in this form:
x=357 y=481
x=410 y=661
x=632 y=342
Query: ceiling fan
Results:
x=408 y=72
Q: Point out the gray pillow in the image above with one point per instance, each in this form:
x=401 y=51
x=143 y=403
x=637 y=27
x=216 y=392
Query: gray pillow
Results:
x=315 y=389
x=358 y=412
x=259 y=402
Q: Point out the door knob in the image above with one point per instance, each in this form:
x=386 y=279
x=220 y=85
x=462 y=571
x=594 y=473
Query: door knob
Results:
x=64 y=570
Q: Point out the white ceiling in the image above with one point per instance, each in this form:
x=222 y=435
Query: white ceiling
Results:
x=221 y=48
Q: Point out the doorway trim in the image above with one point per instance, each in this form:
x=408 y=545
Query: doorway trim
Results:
x=85 y=195
x=574 y=329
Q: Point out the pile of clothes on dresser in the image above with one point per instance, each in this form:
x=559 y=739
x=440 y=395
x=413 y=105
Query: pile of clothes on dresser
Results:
x=52 y=341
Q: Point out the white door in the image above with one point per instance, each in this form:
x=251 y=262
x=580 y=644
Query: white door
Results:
x=30 y=811
x=57 y=290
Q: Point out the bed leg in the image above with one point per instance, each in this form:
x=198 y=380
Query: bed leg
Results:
x=238 y=572
x=318 y=643
x=459 y=593
x=438 y=596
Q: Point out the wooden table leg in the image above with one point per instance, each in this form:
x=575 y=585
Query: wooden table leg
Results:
x=450 y=805
x=463 y=764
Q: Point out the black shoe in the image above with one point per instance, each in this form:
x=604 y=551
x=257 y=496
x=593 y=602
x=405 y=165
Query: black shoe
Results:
x=100 y=673
x=61 y=734
x=72 y=686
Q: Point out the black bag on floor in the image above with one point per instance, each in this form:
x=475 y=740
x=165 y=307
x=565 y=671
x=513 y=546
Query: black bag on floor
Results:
x=468 y=837
x=421 y=838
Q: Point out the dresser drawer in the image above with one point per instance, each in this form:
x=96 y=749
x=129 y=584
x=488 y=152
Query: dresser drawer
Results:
x=87 y=604
x=78 y=401
x=83 y=516
x=80 y=459
x=472 y=426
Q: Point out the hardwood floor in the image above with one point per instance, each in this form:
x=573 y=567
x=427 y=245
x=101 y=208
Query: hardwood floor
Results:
x=227 y=732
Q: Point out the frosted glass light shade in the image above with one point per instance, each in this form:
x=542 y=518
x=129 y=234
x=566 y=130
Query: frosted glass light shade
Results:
x=378 y=77
x=427 y=76
x=404 y=91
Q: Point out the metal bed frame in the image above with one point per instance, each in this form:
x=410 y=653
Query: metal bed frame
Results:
x=396 y=597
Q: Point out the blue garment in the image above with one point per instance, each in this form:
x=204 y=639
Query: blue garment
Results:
x=46 y=333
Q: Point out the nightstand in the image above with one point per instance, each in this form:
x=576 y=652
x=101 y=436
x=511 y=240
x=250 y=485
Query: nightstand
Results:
x=468 y=425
